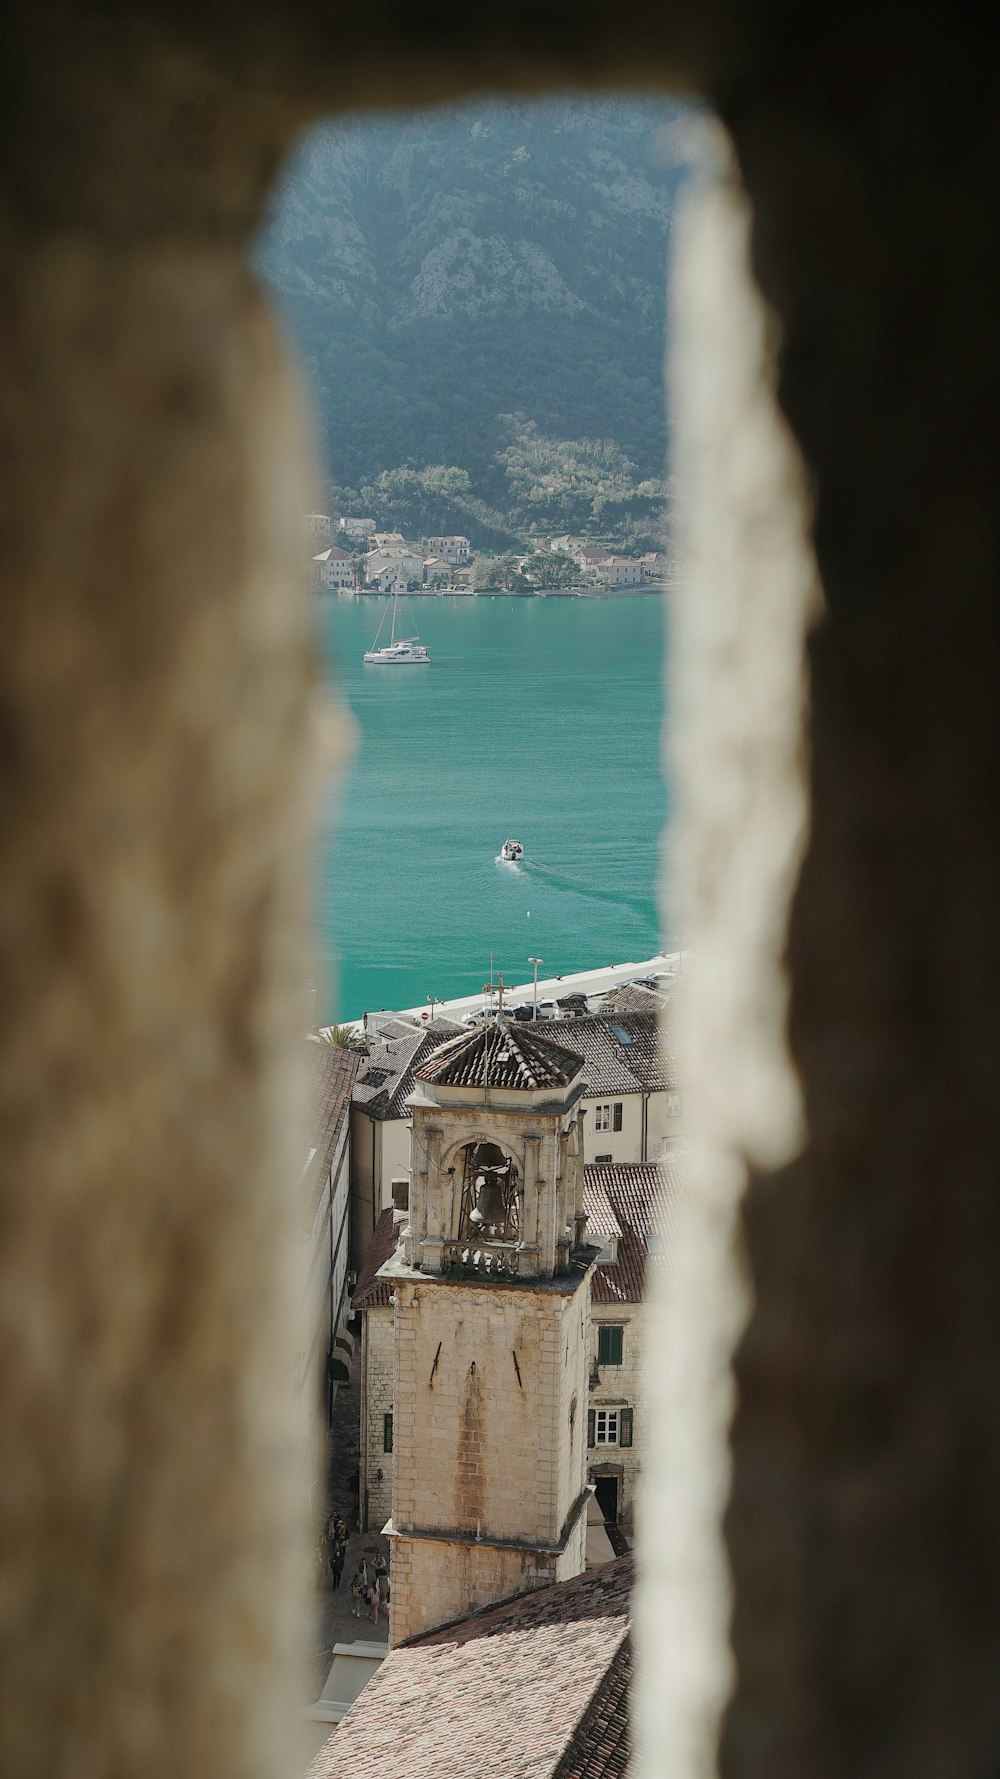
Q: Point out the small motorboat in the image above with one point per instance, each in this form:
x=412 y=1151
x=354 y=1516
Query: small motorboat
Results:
x=511 y=851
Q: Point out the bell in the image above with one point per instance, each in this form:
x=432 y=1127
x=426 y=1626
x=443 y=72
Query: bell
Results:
x=490 y=1210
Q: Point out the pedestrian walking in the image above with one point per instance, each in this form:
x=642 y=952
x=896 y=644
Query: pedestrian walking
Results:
x=337 y=1565
x=382 y=1589
x=357 y=1594
x=373 y=1603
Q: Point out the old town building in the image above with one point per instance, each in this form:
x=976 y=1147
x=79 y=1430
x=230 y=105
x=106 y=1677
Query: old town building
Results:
x=631 y=1209
x=491 y=1285
x=325 y=1193
x=633 y=1101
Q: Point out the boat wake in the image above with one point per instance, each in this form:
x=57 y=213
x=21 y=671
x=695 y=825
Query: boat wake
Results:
x=584 y=886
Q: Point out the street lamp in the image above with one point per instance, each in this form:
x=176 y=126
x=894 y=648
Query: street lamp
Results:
x=536 y=961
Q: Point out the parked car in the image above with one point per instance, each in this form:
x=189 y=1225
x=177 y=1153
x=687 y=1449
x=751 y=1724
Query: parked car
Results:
x=572 y=1006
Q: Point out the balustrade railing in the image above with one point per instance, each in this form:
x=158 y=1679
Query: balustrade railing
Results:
x=498 y=1260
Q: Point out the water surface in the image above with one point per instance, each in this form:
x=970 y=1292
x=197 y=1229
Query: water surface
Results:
x=538 y=719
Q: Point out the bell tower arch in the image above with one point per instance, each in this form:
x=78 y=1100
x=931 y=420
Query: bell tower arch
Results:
x=490 y=1352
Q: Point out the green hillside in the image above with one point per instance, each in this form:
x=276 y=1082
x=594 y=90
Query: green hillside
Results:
x=478 y=298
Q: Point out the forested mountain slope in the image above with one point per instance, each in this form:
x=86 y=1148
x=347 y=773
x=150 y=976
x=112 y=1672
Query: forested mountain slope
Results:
x=482 y=290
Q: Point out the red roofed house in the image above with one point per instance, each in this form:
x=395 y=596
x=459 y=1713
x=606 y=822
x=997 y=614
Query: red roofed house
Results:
x=537 y=1686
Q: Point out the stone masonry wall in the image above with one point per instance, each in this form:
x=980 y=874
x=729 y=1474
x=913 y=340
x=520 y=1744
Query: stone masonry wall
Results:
x=378 y=1403
x=433 y=1584
x=476 y=1448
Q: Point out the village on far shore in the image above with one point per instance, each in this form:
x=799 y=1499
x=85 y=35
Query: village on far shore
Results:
x=355 y=558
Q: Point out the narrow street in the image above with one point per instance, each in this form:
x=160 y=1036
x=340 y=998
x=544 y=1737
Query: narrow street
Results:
x=336 y=1622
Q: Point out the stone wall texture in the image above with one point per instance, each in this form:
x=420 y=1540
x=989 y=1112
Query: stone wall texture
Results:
x=377 y=1359
x=484 y=1382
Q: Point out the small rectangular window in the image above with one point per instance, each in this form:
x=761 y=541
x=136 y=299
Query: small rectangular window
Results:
x=606 y=1426
x=673 y=1105
x=610 y=1341
x=617 y=1119
x=387 y=1432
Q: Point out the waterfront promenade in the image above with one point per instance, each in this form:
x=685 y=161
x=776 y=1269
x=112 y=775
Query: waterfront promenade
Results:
x=551 y=988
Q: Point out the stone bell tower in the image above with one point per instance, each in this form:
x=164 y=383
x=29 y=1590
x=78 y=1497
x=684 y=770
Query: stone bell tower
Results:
x=491 y=1289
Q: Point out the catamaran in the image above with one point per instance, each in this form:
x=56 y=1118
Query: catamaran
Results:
x=409 y=651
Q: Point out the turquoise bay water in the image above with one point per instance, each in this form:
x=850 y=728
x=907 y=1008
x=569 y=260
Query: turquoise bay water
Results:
x=538 y=718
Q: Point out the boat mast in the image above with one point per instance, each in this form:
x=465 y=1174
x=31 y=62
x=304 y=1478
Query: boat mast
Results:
x=395 y=602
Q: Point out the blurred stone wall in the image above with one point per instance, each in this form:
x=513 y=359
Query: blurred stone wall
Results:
x=156 y=738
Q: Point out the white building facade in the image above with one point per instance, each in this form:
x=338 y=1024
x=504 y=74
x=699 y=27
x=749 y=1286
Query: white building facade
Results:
x=333 y=570
x=455 y=550
x=619 y=571
x=392 y=567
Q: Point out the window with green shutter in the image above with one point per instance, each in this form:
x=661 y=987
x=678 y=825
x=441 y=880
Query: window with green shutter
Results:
x=387 y=1432
x=624 y=1426
x=591 y=1425
x=610 y=1339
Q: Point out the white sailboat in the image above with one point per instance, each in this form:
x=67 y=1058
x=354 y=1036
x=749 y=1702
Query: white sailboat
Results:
x=409 y=651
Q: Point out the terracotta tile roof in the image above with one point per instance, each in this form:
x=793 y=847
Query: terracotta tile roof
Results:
x=503 y=1053
x=370 y=1292
x=331 y=1076
x=385 y=1084
x=623 y=1054
x=633 y=997
x=512 y=1693
x=601 y=1746
x=636 y=1201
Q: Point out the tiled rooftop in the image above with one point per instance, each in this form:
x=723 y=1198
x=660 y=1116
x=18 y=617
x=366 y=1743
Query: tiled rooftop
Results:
x=633 y=1200
x=503 y=1053
x=528 y=1690
x=623 y=1054
x=601 y=1747
x=331 y=1073
x=385 y=1084
x=633 y=997
x=369 y=1291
